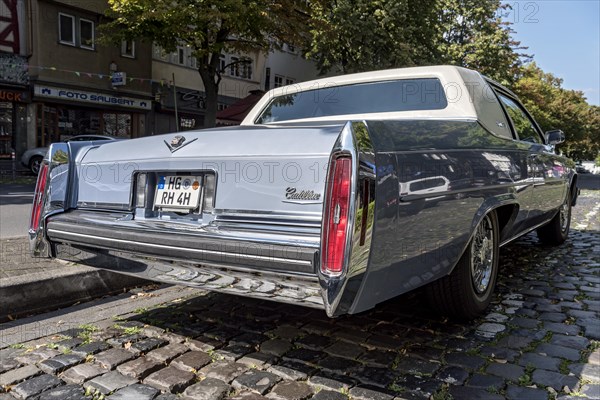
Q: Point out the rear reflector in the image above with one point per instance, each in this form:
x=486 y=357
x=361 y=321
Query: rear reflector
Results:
x=140 y=190
x=336 y=216
x=38 y=198
x=209 y=193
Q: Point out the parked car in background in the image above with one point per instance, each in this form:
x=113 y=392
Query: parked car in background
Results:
x=339 y=194
x=32 y=158
x=588 y=167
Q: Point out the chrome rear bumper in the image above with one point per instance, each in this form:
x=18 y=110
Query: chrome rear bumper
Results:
x=286 y=288
x=217 y=258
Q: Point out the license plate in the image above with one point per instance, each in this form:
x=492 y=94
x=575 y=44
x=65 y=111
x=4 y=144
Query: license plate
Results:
x=178 y=192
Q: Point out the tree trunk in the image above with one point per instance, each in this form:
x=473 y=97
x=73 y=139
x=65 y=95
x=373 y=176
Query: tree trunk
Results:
x=211 y=88
x=210 y=78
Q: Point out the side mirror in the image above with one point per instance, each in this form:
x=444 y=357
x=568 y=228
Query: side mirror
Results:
x=555 y=137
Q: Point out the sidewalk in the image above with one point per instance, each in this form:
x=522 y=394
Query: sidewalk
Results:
x=30 y=285
x=7 y=167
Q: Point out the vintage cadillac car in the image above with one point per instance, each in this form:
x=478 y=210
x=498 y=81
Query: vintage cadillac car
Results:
x=338 y=193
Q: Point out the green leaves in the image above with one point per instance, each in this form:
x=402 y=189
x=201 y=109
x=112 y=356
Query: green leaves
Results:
x=555 y=107
x=209 y=28
x=352 y=36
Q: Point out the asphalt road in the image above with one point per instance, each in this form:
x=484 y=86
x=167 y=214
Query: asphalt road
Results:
x=15 y=206
x=589 y=182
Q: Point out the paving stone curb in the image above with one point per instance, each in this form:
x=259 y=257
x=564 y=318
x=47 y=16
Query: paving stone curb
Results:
x=29 y=294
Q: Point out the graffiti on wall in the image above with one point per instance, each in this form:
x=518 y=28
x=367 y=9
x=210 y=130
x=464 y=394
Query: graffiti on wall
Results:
x=13 y=69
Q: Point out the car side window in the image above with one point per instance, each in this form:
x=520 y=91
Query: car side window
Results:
x=526 y=130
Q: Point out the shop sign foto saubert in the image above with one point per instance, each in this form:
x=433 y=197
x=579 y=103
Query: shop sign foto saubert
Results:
x=90 y=97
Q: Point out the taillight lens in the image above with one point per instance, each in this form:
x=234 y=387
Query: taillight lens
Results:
x=38 y=198
x=336 y=216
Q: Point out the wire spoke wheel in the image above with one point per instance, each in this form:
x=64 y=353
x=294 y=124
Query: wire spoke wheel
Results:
x=564 y=216
x=482 y=256
x=556 y=231
x=467 y=291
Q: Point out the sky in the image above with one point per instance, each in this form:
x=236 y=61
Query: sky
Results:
x=564 y=38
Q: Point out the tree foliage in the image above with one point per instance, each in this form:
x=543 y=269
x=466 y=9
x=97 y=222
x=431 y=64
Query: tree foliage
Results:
x=208 y=27
x=555 y=107
x=473 y=35
x=364 y=35
x=345 y=36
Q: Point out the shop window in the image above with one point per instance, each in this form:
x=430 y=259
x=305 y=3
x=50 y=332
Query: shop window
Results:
x=117 y=124
x=86 y=34
x=56 y=124
x=6 y=129
x=47 y=125
x=128 y=48
x=66 y=29
x=187 y=123
x=72 y=122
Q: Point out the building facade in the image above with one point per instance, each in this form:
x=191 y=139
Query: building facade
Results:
x=79 y=86
x=178 y=87
x=287 y=67
x=14 y=78
x=57 y=81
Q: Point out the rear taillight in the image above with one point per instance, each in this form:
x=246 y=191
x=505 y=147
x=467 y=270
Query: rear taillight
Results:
x=38 y=198
x=336 y=216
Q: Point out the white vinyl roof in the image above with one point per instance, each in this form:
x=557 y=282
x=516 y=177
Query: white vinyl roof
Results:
x=463 y=88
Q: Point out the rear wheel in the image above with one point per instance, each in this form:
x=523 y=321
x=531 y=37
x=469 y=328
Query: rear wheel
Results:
x=556 y=231
x=468 y=290
x=34 y=164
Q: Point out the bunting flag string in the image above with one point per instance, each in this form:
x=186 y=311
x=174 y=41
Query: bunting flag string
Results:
x=29 y=67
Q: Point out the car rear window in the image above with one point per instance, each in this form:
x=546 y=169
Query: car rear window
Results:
x=362 y=98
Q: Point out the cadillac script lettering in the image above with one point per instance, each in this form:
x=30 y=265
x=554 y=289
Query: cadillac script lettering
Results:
x=292 y=193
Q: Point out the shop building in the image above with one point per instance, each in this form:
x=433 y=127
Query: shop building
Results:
x=14 y=78
x=79 y=86
x=178 y=88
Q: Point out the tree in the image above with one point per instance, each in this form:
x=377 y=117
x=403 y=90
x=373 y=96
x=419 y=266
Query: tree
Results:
x=474 y=35
x=209 y=28
x=363 y=35
x=555 y=107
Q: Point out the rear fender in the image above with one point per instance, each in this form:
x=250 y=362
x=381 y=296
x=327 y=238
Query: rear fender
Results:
x=58 y=195
x=54 y=198
x=574 y=190
x=340 y=292
x=486 y=207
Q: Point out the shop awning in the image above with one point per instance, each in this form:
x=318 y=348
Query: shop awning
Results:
x=235 y=113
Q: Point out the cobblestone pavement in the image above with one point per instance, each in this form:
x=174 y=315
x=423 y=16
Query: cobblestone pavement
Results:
x=539 y=340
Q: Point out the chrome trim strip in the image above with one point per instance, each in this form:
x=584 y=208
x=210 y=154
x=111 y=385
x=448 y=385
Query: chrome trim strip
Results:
x=308 y=217
x=525 y=232
x=199 y=251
